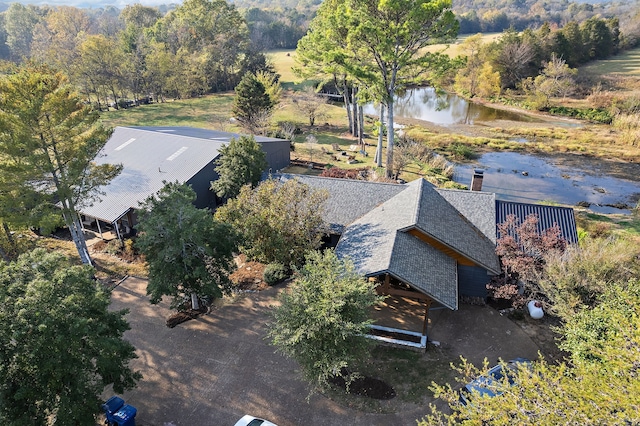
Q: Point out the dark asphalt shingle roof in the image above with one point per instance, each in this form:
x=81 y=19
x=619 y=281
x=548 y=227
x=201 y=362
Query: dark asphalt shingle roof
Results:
x=348 y=199
x=478 y=207
x=439 y=219
x=378 y=242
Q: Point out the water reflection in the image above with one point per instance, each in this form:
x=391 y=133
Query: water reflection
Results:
x=526 y=178
x=425 y=103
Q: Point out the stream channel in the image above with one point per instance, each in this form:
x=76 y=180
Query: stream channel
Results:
x=525 y=177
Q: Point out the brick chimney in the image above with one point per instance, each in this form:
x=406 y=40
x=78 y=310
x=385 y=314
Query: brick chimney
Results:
x=476 y=180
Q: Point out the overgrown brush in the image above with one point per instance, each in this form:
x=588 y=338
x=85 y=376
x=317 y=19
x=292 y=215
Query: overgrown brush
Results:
x=629 y=127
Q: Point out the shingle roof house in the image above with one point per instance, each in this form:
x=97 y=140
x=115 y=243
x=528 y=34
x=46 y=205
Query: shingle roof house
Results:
x=439 y=242
x=151 y=155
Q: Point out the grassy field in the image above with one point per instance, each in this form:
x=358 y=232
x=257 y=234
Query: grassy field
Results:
x=210 y=112
x=625 y=64
x=283 y=60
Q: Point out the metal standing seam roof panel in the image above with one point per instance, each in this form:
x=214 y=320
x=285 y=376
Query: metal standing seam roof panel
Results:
x=548 y=216
x=149 y=156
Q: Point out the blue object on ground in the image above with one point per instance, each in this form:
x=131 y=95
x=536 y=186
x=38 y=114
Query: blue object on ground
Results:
x=118 y=413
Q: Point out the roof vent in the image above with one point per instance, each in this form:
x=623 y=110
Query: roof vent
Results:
x=476 y=180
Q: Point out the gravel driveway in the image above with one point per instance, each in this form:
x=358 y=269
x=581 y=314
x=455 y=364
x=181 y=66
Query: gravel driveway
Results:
x=212 y=370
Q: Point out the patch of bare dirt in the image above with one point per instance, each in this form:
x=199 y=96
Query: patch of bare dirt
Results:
x=365 y=386
x=249 y=275
x=183 y=316
x=541 y=332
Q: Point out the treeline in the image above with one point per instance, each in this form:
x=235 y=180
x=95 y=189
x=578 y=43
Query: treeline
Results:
x=517 y=60
x=497 y=15
x=123 y=57
x=278 y=28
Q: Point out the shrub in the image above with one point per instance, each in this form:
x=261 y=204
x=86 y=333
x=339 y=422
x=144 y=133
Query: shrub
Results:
x=461 y=151
x=275 y=273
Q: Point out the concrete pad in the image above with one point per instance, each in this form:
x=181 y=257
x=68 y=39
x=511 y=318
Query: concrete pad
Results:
x=214 y=369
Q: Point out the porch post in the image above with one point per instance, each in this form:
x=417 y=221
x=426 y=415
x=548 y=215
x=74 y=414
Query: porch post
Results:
x=99 y=229
x=117 y=230
x=81 y=222
x=427 y=304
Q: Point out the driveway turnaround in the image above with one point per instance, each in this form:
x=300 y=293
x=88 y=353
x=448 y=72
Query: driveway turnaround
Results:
x=212 y=370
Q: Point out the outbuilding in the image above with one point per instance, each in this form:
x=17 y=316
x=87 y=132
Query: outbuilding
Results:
x=151 y=156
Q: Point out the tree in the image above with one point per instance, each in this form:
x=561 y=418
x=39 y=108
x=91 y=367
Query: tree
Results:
x=57 y=36
x=271 y=83
x=279 y=222
x=252 y=104
x=467 y=78
x=323 y=318
x=597 y=385
x=310 y=103
x=556 y=79
x=523 y=251
x=391 y=36
x=48 y=140
x=516 y=57
x=61 y=346
x=20 y=21
x=102 y=66
x=215 y=31
x=188 y=253
x=241 y=162
x=319 y=54
x=579 y=277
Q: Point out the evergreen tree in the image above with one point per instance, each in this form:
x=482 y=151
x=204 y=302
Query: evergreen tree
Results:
x=252 y=105
x=241 y=162
x=48 y=142
x=189 y=254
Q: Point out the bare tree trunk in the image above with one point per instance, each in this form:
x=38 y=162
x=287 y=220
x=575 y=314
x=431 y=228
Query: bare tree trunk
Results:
x=75 y=228
x=347 y=105
x=361 y=128
x=390 y=137
x=194 y=302
x=354 y=107
x=378 y=158
x=7 y=231
x=3 y=253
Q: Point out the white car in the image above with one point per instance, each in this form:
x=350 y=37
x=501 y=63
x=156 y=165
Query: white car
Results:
x=248 y=420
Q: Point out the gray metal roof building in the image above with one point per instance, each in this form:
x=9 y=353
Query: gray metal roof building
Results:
x=153 y=155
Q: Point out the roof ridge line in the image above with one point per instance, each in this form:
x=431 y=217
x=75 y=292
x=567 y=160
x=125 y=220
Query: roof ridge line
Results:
x=181 y=135
x=418 y=201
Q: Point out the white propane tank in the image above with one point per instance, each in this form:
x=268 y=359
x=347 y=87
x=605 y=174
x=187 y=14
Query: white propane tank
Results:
x=535 y=309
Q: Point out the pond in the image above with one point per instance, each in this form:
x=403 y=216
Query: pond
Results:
x=529 y=178
x=424 y=103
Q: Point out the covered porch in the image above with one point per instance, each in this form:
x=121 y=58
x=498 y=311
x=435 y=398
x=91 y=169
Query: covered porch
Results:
x=402 y=319
x=107 y=230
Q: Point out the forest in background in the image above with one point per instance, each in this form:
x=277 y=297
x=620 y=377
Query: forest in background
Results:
x=120 y=58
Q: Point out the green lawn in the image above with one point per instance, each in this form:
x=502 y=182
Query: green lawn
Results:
x=283 y=60
x=626 y=63
x=210 y=112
